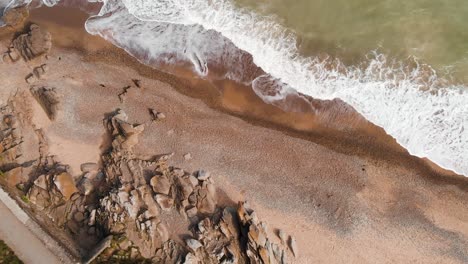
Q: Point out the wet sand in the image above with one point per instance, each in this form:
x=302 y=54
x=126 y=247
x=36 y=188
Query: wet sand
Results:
x=346 y=191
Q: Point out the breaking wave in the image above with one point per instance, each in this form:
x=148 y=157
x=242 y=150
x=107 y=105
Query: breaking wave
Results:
x=424 y=113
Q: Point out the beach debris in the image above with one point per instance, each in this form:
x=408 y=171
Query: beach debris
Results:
x=35 y=43
x=155 y=115
x=48 y=99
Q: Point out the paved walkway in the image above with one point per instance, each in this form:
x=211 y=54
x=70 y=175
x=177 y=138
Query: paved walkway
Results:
x=15 y=230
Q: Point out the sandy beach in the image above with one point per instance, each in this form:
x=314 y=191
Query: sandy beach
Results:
x=344 y=189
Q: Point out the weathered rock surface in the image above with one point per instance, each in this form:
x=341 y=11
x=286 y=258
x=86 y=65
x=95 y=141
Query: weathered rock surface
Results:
x=33 y=44
x=16 y=17
x=49 y=100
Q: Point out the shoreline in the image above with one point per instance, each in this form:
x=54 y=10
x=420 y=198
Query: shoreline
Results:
x=355 y=137
x=339 y=193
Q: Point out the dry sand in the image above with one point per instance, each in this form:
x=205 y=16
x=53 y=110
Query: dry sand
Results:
x=347 y=197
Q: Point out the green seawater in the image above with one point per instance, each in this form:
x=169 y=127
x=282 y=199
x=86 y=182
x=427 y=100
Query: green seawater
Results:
x=433 y=31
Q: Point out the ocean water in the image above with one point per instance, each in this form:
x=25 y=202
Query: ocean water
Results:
x=401 y=64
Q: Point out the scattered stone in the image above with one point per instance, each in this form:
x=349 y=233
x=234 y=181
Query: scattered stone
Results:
x=188 y=156
x=156 y=116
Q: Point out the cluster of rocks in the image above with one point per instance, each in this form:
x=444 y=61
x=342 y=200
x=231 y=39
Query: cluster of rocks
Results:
x=237 y=237
x=154 y=211
x=147 y=195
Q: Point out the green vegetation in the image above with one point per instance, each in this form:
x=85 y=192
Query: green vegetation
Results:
x=7 y=256
x=25 y=199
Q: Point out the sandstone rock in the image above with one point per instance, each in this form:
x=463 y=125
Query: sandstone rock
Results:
x=164 y=201
x=89 y=167
x=33 y=44
x=41 y=182
x=65 y=184
x=160 y=184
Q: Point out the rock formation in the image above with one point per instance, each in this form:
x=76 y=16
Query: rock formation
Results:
x=151 y=210
x=48 y=98
x=31 y=45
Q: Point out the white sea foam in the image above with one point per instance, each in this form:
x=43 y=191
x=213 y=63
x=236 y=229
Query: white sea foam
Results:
x=429 y=119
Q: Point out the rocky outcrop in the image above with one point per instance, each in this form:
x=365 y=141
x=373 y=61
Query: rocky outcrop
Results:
x=49 y=100
x=150 y=201
x=35 y=43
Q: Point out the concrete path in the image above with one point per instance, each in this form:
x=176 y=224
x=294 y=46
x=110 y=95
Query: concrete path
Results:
x=16 y=230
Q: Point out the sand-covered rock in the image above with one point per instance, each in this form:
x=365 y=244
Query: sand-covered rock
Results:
x=16 y=17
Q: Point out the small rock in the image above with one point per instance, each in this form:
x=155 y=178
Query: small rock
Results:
x=203 y=175
x=193 y=180
x=164 y=201
x=188 y=156
x=193 y=244
x=41 y=182
x=78 y=217
x=191 y=259
x=160 y=184
x=192 y=212
x=89 y=167
x=92 y=218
